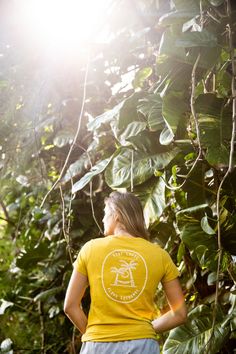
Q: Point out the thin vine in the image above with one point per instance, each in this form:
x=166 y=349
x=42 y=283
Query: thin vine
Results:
x=76 y=134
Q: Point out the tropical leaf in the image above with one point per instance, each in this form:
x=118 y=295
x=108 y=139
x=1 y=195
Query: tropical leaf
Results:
x=105 y=117
x=31 y=256
x=132 y=129
x=44 y=295
x=187 y=5
x=172 y=46
x=118 y=174
x=128 y=111
x=196 y=39
x=95 y=170
x=152 y=196
x=63 y=138
x=173 y=109
x=206 y=227
x=176 y=17
x=202 y=246
x=195 y=187
x=151 y=108
x=195 y=334
x=141 y=76
x=76 y=168
x=166 y=136
x=168 y=46
x=215 y=127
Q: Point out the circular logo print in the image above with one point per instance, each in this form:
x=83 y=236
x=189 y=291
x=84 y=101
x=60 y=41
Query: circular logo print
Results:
x=124 y=275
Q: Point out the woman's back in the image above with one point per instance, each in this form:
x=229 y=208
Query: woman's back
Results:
x=123 y=273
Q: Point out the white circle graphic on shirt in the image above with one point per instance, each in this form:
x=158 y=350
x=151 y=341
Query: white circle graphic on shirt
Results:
x=124 y=275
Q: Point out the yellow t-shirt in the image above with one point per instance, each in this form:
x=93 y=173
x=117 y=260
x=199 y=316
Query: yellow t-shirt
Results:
x=123 y=275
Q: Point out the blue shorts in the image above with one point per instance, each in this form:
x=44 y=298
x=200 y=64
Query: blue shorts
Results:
x=136 y=346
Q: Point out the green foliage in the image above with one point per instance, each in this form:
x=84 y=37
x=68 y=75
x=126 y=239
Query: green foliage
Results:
x=138 y=130
x=194 y=336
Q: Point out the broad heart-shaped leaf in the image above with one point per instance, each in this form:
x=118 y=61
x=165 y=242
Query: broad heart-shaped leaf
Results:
x=128 y=111
x=118 y=173
x=194 y=335
x=151 y=108
x=195 y=186
x=132 y=129
x=177 y=17
x=76 y=168
x=152 y=196
x=96 y=170
x=215 y=122
x=105 y=118
x=187 y=5
x=168 y=46
x=174 y=49
x=196 y=39
x=173 y=108
x=202 y=246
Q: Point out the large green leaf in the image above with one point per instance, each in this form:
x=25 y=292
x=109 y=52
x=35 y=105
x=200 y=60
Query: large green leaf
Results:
x=196 y=39
x=132 y=129
x=173 y=109
x=141 y=76
x=176 y=17
x=118 y=174
x=151 y=108
x=187 y=5
x=76 y=168
x=215 y=122
x=46 y=294
x=168 y=46
x=95 y=170
x=30 y=257
x=128 y=111
x=173 y=46
x=105 y=117
x=63 y=138
x=202 y=246
x=152 y=196
x=195 y=186
x=194 y=335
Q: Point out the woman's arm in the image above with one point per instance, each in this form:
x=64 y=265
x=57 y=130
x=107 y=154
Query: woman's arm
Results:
x=178 y=310
x=72 y=305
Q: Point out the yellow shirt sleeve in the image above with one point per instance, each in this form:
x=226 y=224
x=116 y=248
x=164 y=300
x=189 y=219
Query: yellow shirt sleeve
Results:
x=80 y=262
x=170 y=270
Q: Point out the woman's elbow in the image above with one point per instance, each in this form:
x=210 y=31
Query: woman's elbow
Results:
x=68 y=308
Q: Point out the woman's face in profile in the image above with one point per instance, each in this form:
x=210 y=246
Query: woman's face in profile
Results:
x=109 y=221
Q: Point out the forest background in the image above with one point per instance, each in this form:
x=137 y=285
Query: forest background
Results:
x=145 y=103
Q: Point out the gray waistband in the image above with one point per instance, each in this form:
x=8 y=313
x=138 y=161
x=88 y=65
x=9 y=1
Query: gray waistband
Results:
x=137 y=346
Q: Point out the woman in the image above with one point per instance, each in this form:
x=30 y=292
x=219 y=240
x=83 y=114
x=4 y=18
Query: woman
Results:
x=123 y=271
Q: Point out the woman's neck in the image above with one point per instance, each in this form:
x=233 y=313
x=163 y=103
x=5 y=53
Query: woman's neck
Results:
x=119 y=231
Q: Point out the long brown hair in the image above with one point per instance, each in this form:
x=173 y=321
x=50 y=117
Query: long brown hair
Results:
x=130 y=213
